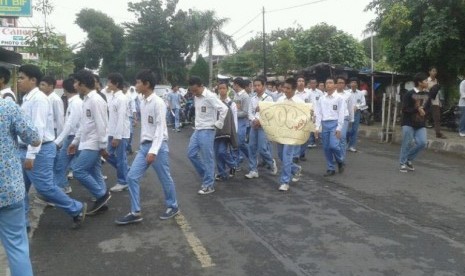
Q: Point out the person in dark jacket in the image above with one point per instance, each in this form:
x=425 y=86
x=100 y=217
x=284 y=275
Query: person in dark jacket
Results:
x=414 y=122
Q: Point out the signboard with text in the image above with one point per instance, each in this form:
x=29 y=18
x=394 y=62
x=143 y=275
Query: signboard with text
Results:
x=15 y=37
x=15 y=8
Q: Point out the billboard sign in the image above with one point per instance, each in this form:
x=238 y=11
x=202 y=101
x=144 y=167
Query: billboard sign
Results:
x=15 y=8
x=15 y=37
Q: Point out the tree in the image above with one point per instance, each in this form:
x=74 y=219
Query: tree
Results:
x=419 y=34
x=284 y=55
x=244 y=63
x=105 y=42
x=324 y=43
x=206 y=29
x=200 y=68
x=158 y=39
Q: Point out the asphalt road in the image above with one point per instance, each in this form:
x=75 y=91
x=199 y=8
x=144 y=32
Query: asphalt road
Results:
x=371 y=220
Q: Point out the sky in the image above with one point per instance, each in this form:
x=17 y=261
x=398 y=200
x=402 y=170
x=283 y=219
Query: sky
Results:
x=346 y=15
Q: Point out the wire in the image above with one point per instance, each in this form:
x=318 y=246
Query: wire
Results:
x=297 y=6
x=246 y=24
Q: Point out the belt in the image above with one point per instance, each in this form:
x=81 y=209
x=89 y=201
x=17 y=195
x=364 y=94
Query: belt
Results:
x=146 y=142
x=45 y=143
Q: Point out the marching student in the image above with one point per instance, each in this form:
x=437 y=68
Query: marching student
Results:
x=303 y=94
x=174 y=105
x=348 y=112
x=242 y=101
x=91 y=141
x=315 y=95
x=210 y=113
x=47 y=85
x=71 y=126
x=289 y=171
x=153 y=151
x=329 y=121
x=258 y=142
x=226 y=138
x=127 y=90
x=118 y=130
x=38 y=161
x=358 y=99
x=5 y=91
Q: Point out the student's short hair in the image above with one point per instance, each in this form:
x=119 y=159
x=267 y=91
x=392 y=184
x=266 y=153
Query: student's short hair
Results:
x=195 y=80
x=419 y=77
x=270 y=82
x=147 y=76
x=261 y=80
x=246 y=83
x=312 y=78
x=432 y=67
x=5 y=74
x=301 y=77
x=353 y=79
x=174 y=85
x=239 y=81
x=31 y=71
x=117 y=79
x=223 y=82
x=49 y=80
x=292 y=82
x=331 y=78
x=341 y=78
x=86 y=78
x=68 y=85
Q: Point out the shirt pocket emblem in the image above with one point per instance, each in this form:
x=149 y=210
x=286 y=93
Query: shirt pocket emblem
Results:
x=88 y=114
x=204 y=109
x=334 y=107
x=150 y=120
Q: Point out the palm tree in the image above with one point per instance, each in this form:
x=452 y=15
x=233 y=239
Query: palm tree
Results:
x=205 y=28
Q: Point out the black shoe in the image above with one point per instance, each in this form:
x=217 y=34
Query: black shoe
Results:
x=232 y=172
x=79 y=219
x=303 y=158
x=102 y=209
x=99 y=203
x=295 y=160
x=329 y=173
x=340 y=167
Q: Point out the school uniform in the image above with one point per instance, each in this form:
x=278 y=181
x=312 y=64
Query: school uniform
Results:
x=348 y=118
x=314 y=98
x=358 y=99
x=304 y=95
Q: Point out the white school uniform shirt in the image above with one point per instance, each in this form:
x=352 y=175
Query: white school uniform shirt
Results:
x=233 y=110
x=358 y=99
x=58 y=112
x=330 y=108
x=118 y=116
x=131 y=104
x=153 y=122
x=349 y=110
x=92 y=133
x=36 y=105
x=253 y=114
x=315 y=95
x=304 y=95
x=295 y=99
x=210 y=111
x=72 y=119
x=10 y=94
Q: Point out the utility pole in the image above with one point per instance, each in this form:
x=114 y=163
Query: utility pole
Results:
x=264 y=44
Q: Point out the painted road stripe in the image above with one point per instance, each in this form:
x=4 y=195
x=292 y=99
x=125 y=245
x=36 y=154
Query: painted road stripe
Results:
x=199 y=250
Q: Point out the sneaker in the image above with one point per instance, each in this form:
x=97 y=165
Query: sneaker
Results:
x=103 y=160
x=99 y=203
x=410 y=166
x=79 y=219
x=238 y=169
x=252 y=174
x=67 y=189
x=220 y=178
x=129 y=218
x=42 y=200
x=169 y=213
x=70 y=175
x=283 y=187
x=178 y=130
x=206 y=190
x=462 y=134
x=297 y=175
x=352 y=149
x=311 y=146
x=340 y=167
x=119 y=187
x=403 y=168
x=104 y=177
x=274 y=168
x=329 y=173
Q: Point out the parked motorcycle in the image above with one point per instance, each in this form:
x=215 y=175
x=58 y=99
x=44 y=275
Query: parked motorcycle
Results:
x=450 y=117
x=365 y=116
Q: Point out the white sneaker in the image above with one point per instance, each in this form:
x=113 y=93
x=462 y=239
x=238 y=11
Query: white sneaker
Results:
x=462 y=134
x=252 y=174
x=118 y=188
x=352 y=149
x=284 y=187
x=70 y=175
x=274 y=168
x=311 y=146
x=296 y=176
x=67 y=189
x=104 y=177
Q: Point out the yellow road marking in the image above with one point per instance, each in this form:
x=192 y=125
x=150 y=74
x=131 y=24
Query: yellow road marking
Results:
x=199 y=250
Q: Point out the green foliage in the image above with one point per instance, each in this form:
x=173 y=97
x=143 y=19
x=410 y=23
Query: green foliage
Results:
x=418 y=34
x=244 y=63
x=324 y=43
x=105 y=42
x=284 y=57
x=200 y=68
